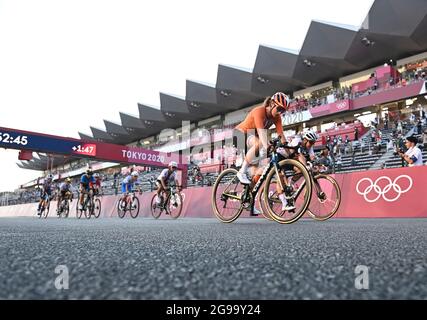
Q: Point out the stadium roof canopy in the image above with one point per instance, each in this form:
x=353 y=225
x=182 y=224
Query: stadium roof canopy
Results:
x=41 y=162
x=393 y=29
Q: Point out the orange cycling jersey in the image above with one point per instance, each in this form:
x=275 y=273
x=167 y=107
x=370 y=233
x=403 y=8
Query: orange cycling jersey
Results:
x=257 y=119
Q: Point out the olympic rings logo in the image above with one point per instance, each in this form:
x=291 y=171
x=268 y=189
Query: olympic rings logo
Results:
x=373 y=186
x=342 y=105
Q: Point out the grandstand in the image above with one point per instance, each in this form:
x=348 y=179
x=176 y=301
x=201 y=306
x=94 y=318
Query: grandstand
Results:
x=371 y=78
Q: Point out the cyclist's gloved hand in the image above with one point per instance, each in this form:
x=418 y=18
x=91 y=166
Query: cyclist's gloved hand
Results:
x=281 y=151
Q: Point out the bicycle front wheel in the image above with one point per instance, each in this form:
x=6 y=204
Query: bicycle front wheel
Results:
x=287 y=191
x=325 y=199
x=88 y=208
x=261 y=203
x=134 y=207
x=175 y=205
x=156 y=209
x=226 y=196
x=121 y=209
x=97 y=208
x=66 y=210
x=45 y=212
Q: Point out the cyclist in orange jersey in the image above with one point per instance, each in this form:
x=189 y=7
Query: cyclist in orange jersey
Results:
x=251 y=134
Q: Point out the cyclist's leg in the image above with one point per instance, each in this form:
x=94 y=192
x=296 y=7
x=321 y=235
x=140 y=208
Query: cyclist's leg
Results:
x=58 y=204
x=251 y=147
x=159 y=192
x=41 y=201
x=82 y=192
x=124 y=191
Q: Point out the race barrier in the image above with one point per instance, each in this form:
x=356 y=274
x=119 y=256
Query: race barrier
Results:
x=389 y=193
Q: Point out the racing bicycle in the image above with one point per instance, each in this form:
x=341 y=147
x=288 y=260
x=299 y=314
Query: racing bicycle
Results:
x=130 y=204
x=64 y=208
x=172 y=205
x=45 y=206
x=88 y=205
x=325 y=198
x=230 y=197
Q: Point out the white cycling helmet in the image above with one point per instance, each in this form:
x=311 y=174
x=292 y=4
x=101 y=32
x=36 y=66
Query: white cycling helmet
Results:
x=173 y=164
x=310 y=135
x=135 y=174
x=49 y=176
x=96 y=175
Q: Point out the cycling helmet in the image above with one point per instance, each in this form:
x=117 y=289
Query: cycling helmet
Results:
x=68 y=180
x=96 y=175
x=310 y=136
x=89 y=172
x=282 y=100
x=173 y=164
x=49 y=176
x=135 y=174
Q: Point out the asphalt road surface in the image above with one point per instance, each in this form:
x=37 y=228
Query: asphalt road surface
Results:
x=205 y=259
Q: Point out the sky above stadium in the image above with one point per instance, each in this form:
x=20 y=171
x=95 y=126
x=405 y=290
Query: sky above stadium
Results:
x=66 y=65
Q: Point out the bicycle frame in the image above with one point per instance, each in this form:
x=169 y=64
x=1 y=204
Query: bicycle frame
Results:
x=168 y=197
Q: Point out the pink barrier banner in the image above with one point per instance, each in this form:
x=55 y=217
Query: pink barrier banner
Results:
x=410 y=90
x=338 y=106
x=319 y=111
x=363 y=85
x=390 y=193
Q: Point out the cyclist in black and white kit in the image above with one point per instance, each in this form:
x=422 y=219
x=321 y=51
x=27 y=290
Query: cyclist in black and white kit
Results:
x=166 y=177
x=304 y=153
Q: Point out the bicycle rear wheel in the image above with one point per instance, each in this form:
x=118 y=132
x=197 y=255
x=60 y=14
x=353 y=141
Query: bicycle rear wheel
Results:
x=226 y=196
x=298 y=195
x=325 y=199
x=175 y=205
x=78 y=212
x=134 y=207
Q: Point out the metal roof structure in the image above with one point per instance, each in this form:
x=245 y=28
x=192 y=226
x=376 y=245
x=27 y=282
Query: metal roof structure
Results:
x=393 y=29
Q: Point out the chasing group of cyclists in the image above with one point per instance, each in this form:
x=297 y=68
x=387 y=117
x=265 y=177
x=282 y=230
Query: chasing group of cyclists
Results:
x=251 y=135
x=90 y=182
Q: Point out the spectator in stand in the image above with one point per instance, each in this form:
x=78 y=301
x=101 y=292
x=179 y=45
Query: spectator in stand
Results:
x=386 y=122
x=413 y=157
x=424 y=137
x=356 y=134
x=378 y=146
x=412 y=118
x=419 y=127
x=339 y=162
x=362 y=146
x=400 y=142
x=373 y=135
x=390 y=145
x=326 y=160
x=399 y=126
